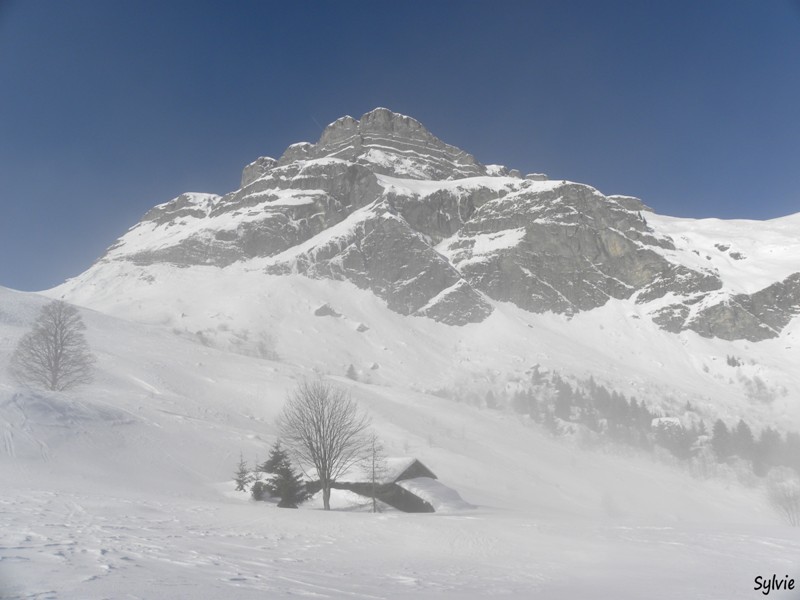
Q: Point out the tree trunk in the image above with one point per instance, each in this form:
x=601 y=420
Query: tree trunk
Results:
x=326 y=497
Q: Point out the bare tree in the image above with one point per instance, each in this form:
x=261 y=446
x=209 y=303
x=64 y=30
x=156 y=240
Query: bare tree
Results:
x=54 y=354
x=376 y=466
x=783 y=494
x=324 y=429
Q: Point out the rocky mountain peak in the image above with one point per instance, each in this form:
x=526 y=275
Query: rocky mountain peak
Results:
x=388 y=143
x=383 y=203
x=380 y=121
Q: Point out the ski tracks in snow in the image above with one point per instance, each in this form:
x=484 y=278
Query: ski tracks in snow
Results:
x=76 y=546
x=87 y=545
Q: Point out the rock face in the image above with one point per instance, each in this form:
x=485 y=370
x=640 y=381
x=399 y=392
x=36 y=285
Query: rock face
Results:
x=566 y=248
x=382 y=203
x=377 y=249
x=753 y=317
x=392 y=144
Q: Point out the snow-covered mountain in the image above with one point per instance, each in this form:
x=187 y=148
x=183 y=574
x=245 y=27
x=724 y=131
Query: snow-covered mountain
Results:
x=491 y=271
x=441 y=282
x=384 y=204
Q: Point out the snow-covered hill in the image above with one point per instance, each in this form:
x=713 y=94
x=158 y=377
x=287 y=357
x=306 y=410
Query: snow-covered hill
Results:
x=241 y=309
x=125 y=485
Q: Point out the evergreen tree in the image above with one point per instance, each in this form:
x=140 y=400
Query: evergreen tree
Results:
x=282 y=481
x=243 y=477
x=640 y=416
x=633 y=409
x=277 y=456
x=674 y=438
x=621 y=407
x=602 y=400
x=258 y=491
x=351 y=373
x=721 y=441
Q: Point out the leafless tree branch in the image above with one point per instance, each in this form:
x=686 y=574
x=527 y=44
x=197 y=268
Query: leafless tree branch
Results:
x=54 y=354
x=323 y=427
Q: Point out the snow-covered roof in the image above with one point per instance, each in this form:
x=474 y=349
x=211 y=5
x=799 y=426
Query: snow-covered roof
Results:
x=396 y=465
x=438 y=495
x=389 y=471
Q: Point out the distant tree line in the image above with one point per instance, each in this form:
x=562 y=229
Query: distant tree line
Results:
x=560 y=406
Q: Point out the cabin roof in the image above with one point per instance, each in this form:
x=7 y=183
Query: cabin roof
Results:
x=393 y=469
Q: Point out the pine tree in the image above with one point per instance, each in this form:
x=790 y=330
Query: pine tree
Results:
x=243 y=476
x=674 y=438
x=277 y=457
x=283 y=482
x=351 y=373
x=721 y=441
x=257 y=491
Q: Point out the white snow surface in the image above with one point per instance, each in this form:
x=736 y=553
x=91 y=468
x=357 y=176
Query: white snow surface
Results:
x=482 y=244
x=123 y=488
x=239 y=308
x=747 y=255
x=435 y=493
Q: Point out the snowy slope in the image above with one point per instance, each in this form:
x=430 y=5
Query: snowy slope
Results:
x=124 y=485
x=748 y=255
x=238 y=307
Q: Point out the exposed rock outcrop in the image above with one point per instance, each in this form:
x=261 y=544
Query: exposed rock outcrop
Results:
x=381 y=202
x=753 y=317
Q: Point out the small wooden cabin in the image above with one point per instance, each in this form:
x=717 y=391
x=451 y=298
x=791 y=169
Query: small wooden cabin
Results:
x=386 y=488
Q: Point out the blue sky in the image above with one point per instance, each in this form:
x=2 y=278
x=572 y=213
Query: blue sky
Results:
x=107 y=108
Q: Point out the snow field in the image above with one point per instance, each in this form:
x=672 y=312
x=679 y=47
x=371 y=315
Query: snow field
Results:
x=125 y=484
